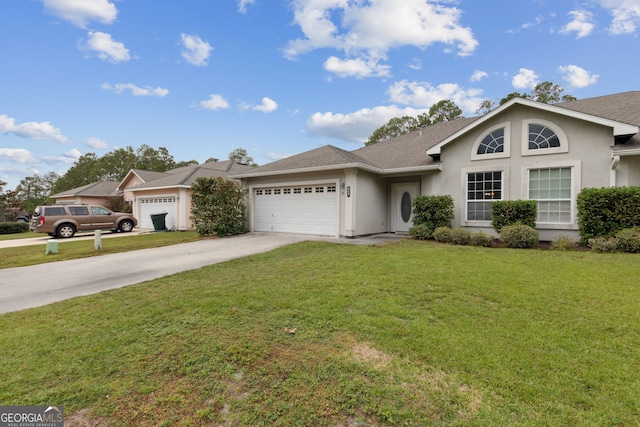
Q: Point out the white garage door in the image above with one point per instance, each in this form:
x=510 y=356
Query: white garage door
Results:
x=304 y=209
x=155 y=205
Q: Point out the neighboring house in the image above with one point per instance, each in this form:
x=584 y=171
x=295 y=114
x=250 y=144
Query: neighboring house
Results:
x=170 y=192
x=90 y=194
x=521 y=150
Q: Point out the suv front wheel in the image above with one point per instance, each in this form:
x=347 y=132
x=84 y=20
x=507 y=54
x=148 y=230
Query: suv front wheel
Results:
x=126 y=226
x=65 y=231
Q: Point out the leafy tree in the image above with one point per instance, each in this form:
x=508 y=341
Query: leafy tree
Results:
x=35 y=190
x=8 y=200
x=444 y=111
x=212 y=160
x=439 y=112
x=114 y=166
x=218 y=207
x=240 y=155
x=546 y=92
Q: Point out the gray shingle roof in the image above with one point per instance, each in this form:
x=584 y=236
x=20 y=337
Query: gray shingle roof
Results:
x=96 y=189
x=187 y=175
x=622 y=107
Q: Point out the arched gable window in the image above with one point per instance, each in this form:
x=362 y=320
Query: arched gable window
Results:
x=493 y=143
x=542 y=137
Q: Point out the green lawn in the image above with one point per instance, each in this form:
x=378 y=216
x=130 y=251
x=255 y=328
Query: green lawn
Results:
x=73 y=248
x=409 y=333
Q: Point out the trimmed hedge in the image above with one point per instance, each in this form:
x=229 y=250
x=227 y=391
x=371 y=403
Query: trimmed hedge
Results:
x=431 y=212
x=603 y=212
x=519 y=236
x=13 y=227
x=511 y=212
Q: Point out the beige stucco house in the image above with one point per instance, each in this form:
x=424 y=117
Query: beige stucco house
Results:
x=521 y=150
x=170 y=192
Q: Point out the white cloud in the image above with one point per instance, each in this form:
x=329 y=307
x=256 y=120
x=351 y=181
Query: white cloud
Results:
x=215 y=102
x=356 y=126
x=277 y=156
x=355 y=67
x=106 y=48
x=67 y=158
x=626 y=15
x=268 y=105
x=416 y=97
x=424 y=95
x=525 y=79
x=478 y=75
x=31 y=130
x=136 y=90
x=368 y=30
x=17 y=155
x=577 y=76
x=80 y=12
x=242 y=5
x=97 y=143
x=195 y=50
x=581 y=24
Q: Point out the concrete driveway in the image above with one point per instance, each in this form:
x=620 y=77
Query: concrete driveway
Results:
x=34 y=286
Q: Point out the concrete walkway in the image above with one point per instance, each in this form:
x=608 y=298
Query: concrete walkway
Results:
x=34 y=286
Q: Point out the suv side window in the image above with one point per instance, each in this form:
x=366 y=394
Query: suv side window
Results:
x=79 y=210
x=97 y=210
x=54 y=211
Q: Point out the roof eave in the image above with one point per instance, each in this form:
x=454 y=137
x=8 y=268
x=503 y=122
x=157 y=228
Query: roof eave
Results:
x=163 y=187
x=373 y=169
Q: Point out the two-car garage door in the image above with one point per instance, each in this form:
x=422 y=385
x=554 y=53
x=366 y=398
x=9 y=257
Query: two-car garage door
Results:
x=304 y=209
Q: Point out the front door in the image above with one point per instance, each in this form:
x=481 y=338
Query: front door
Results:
x=403 y=195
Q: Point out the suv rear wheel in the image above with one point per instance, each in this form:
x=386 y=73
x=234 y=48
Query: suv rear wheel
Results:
x=65 y=231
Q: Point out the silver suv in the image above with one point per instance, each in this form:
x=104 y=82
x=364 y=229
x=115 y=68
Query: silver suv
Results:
x=64 y=221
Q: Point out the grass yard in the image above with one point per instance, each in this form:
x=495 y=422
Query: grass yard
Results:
x=319 y=334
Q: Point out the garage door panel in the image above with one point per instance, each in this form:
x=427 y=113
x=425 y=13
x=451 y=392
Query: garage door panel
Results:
x=304 y=209
x=155 y=205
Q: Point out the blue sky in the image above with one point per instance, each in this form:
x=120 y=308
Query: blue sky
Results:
x=278 y=77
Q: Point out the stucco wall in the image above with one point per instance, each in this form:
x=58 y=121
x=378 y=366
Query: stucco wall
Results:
x=588 y=154
x=372 y=204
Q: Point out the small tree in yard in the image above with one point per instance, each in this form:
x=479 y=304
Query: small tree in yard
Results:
x=218 y=207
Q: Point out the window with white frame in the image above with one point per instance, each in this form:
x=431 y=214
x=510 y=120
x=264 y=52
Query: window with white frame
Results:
x=482 y=189
x=542 y=137
x=552 y=189
x=493 y=143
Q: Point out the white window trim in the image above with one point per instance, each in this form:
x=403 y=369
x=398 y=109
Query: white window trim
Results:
x=507 y=143
x=564 y=142
x=576 y=174
x=505 y=191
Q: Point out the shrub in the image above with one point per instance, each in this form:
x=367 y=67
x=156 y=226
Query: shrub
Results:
x=218 y=207
x=442 y=235
x=434 y=211
x=460 y=236
x=480 y=238
x=563 y=243
x=629 y=240
x=13 y=227
x=602 y=212
x=421 y=232
x=510 y=212
x=519 y=236
x=603 y=244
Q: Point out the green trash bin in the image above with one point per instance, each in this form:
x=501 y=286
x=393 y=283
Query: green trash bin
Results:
x=159 y=221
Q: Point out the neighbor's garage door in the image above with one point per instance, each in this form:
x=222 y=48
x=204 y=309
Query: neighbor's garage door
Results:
x=305 y=209
x=155 y=205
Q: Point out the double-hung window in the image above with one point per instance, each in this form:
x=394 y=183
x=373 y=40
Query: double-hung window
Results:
x=482 y=189
x=552 y=189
